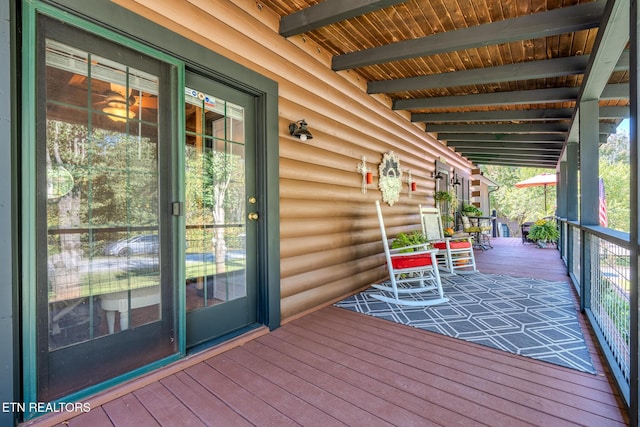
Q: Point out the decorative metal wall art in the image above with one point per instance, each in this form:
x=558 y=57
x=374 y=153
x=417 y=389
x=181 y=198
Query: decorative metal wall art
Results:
x=390 y=178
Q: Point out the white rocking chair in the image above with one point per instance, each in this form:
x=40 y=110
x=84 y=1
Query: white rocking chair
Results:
x=456 y=254
x=409 y=273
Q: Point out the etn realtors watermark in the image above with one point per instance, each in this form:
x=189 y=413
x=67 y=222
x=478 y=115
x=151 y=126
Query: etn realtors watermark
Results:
x=46 y=407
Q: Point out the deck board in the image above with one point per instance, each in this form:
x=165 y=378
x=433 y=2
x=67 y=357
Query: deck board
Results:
x=338 y=367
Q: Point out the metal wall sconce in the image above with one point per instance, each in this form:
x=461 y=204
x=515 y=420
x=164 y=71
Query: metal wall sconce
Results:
x=411 y=183
x=367 y=176
x=299 y=130
x=438 y=175
x=455 y=181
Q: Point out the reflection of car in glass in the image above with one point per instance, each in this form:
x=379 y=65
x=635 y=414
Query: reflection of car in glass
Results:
x=145 y=244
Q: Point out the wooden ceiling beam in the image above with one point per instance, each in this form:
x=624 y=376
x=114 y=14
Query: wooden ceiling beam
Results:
x=495 y=137
x=611 y=41
x=329 y=12
x=547 y=68
x=544 y=24
x=520 y=153
x=519 y=97
x=540 y=114
x=511 y=161
x=516 y=146
x=524 y=128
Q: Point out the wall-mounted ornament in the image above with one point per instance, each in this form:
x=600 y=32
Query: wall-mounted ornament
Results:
x=367 y=176
x=390 y=178
x=410 y=183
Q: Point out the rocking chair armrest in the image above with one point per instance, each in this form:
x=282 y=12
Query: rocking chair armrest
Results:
x=397 y=251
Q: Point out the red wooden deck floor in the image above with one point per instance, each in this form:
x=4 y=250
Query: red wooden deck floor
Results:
x=337 y=367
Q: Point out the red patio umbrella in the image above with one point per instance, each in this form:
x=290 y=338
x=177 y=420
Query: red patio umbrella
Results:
x=541 y=180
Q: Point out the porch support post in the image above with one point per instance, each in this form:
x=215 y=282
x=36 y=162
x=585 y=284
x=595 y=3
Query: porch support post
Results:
x=589 y=142
x=561 y=203
x=571 y=200
x=634 y=161
x=561 y=195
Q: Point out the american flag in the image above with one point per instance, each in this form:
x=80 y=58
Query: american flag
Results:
x=602 y=210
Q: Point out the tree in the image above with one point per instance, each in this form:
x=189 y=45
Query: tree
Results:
x=213 y=196
x=518 y=204
x=615 y=171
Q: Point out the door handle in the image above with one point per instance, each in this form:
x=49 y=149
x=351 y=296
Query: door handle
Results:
x=253 y=216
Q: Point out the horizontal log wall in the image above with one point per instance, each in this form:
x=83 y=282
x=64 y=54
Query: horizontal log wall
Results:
x=330 y=240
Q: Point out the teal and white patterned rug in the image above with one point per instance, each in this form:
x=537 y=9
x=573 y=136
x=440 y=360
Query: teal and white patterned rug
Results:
x=529 y=317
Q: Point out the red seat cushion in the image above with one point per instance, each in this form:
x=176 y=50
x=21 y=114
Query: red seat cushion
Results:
x=453 y=245
x=411 y=261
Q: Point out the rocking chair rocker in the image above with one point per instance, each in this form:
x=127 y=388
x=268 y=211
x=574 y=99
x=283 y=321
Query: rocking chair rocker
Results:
x=456 y=254
x=409 y=272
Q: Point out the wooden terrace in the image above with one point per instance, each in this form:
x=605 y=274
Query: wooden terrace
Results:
x=336 y=367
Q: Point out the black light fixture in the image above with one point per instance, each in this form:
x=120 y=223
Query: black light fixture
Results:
x=455 y=181
x=438 y=175
x=299 y=130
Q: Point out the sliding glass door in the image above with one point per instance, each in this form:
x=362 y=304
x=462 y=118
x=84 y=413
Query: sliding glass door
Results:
x=105 y=300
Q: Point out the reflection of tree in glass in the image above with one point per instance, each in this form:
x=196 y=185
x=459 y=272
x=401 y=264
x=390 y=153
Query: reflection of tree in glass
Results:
x=215 y=195
x=114 y=185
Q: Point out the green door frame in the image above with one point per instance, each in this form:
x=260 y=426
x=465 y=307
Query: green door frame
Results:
x=110 y=20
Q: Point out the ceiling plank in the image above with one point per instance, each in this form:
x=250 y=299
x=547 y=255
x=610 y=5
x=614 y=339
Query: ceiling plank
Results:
x=329 y=12
x=544 y=24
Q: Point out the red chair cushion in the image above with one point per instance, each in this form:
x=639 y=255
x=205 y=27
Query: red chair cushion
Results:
x=452 y=245
x=460 y=245
x=411 y=261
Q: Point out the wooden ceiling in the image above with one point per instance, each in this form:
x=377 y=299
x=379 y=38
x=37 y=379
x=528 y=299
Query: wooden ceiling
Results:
x=497 y=80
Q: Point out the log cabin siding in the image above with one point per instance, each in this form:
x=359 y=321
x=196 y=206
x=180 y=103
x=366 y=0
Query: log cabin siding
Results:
x=330 y=241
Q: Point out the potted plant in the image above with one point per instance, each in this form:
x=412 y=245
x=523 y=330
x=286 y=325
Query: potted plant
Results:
x=543 y=232
x=470 y=210
x=442 y=196
x=411 y=239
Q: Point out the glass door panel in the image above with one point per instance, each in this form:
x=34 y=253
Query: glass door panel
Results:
x=104 y=303
x=220 y=295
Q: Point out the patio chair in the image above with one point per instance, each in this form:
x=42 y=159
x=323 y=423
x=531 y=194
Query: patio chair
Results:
x=524 y=229
x=479 y=227
x=410 y=273
x=455 y=254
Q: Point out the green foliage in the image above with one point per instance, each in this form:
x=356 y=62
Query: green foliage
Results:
x=115 y=177
x=413 y=238
x=544 y=231
x=471 y=210
x=519 y=204
x=527 y=204
x=615 y=171
x=442 y=196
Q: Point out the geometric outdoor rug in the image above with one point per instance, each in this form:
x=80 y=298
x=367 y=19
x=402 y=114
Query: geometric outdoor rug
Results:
x=529 y=317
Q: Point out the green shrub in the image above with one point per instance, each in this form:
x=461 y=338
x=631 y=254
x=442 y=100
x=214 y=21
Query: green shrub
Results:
x=413 y=238
x=544 y=231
